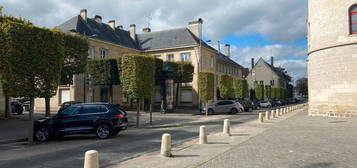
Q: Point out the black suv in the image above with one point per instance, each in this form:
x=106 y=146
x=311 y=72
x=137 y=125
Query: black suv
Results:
x=102 y=119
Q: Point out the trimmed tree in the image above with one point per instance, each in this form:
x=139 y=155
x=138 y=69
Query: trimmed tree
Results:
x=75 y=60
x=226 y=86
x=31 y=62
x=259 y=91
x=183 y=72
x=274 y=93
x=104 y=72
x=268 y=91
x=137 y=78
x=240 y=87
x=206 y=87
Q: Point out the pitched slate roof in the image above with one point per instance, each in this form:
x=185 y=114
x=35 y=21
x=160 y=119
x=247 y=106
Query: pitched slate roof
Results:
x=99 y=31
x=277 y=70
x=165 y=39
x=172 y=38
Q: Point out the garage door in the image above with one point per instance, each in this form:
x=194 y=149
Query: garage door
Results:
x=186 y=96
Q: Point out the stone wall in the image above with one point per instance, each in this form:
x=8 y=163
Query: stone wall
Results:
x=332 y=62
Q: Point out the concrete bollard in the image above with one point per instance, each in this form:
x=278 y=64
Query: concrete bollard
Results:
x=261 y=119
x=280 y=112
x=227 y=128
x=166 y=145
x=272 y=114
x=203 y=135
x=267 y=115
x=91 y=159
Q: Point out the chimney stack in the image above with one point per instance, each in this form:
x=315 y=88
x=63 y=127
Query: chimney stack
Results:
x=196 y=27
x=83 y=14
x=111 y=23
x=132 y=31
x=98 y=18
x=146 y=30
x=272 y=61
x=228 y=50
x=120 y=27
x=252 y=63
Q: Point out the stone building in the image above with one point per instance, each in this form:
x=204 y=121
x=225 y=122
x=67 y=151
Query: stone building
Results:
x=332 y=58
x=267 y=74
x=107 y=40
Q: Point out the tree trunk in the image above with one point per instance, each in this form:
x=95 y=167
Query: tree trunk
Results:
x=131 y=103
x=47 y=106
x=177 y=94
x=7 y=107
x=30 y=127
x=151 y=102
x=138 y=114
x=111 y=93
x=206 y=108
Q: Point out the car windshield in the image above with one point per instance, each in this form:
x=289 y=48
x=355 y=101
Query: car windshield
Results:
x=70 y=110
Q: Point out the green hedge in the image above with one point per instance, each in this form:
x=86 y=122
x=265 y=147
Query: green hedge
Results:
x=206 y=85
x=75 y=59
x=103 y=71
x=182 y=71
x=240 y=87
x=226 y=86
x=137 y=75
x=268 y=91
x=259 y=91
x=31 y=59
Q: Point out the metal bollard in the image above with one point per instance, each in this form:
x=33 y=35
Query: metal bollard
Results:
x=203 y=135
x=267 y=115
x=166 y=145
x=226 y=128
x=91 y=159
x=272 y=114
x=260 y=119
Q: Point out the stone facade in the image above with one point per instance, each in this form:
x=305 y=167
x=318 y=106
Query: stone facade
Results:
x=332 y=59
x=202 y=56
x=262 y=73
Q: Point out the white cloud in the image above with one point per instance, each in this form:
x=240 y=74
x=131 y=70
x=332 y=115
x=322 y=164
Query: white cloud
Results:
x=277 y=20
x=290 y=57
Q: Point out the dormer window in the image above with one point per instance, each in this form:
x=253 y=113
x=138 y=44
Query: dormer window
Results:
x=353 y=19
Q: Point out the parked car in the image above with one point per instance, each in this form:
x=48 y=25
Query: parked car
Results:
x=265 y=104
x=65 y=105
x=222 y=106
x=284 y=102
x=275 y=102
x=102 y=119
x=247 y=104
x=256 y=105
x=17 y=107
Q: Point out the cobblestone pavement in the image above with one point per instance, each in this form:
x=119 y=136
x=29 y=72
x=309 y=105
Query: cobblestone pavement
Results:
x=298 y=142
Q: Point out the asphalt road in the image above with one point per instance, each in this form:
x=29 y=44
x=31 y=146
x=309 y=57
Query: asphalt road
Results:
x=69 y=152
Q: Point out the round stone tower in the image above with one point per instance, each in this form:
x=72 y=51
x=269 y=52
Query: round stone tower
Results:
x=332 y=58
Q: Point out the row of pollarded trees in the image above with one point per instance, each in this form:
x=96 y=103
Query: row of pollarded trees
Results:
x=34 y=61
x=267 y=92
x=229 y=87
x=137 y=75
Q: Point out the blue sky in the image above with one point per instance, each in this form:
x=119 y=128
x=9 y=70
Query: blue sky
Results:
x=253 y=28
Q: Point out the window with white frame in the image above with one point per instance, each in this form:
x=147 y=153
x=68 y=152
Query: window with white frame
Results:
x=103 y=53
x=170 y=57
x=186 y=57
x=90 y=53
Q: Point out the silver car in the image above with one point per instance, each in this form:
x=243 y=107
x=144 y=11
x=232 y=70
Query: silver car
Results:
x=265 y=104
x=223 y=106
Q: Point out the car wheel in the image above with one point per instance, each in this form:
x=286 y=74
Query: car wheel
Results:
x=42 y=134
x=103 y=131
x=210 y=111
x=233 y=111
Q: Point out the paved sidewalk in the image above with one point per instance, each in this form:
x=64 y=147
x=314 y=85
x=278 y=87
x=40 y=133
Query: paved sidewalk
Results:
x=294 y=140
